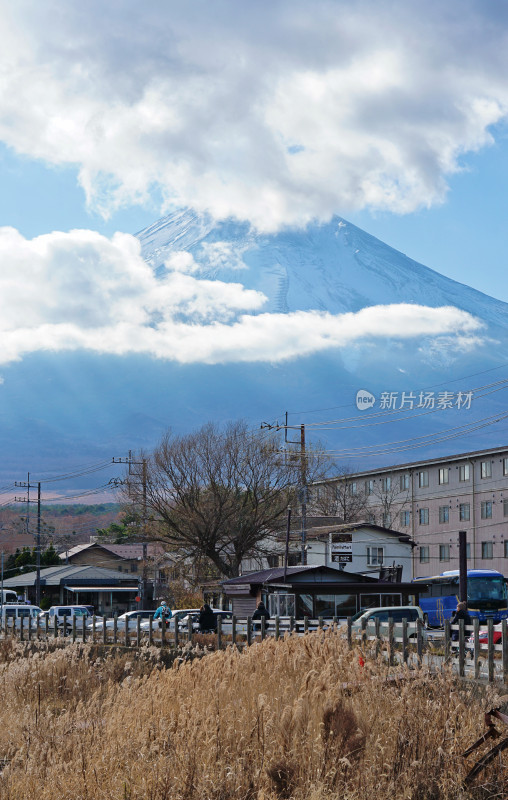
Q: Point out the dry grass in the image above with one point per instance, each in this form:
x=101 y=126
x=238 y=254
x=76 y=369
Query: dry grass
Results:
x=272 y=722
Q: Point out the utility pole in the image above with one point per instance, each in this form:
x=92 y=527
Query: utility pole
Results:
x=302 y=495
x=129 y=461
x=27 y=485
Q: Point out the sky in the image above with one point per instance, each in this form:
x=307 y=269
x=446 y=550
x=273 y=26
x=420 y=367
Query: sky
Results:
x=279 y=113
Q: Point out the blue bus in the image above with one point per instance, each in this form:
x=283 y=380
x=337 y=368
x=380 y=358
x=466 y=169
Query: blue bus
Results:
x=487 y=596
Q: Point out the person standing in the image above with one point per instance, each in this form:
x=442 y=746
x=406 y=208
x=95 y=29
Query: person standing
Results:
x=207 y=619
x=163 y=613
x=461 y=612
x=261 y=611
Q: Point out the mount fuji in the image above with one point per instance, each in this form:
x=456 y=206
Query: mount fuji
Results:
x=63 y=409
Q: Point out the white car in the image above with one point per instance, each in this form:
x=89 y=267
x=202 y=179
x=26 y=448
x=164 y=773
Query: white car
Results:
x=383 y=614
x=129 y=617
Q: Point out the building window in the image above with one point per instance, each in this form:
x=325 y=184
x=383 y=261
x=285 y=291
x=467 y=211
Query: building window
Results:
x=444 y=514
x=369 y=487
x=444 y=475
x=464 y=472
x=353 y=488
x=423 y=479
x=464 y=512
x=134 y=567
x=120 y=569
x=505 y=466
x=371 y=518
x=387 y=519
x=444 y=552
x=486 y=509
x=404 y=519
x=486 y=469
x=386 y=484
x=505 y=507
x=423 y=516
x=374 y=556
x=404 y=483
x=506 y=549
x=424 y=555
x=272 y=561
x=487 y=550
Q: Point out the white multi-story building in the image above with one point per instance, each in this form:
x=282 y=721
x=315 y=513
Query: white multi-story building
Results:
x=433 y=500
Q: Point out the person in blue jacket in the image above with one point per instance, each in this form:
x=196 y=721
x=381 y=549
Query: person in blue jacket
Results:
x=163 y=613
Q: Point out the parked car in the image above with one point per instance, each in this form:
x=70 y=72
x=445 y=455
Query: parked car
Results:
x=383 y=614
x=18 y=612
x=61 y=613
x=226 y=616
x=483 y=637
x=122 y=619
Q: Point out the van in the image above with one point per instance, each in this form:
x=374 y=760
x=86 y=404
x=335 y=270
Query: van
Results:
x=13 y=613
x=67 y=613
x=9 y=596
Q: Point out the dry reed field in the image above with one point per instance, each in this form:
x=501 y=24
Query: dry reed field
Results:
x=276 y=721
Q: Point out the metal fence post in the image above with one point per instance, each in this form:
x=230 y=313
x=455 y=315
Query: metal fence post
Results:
x=83 y=628
x=73 y=629
x=277 y=628
x=249 y=631
x=233 y=630
x=46 y=625
x=104 y=631
x=115 y=628
x=55 y=626
x=263 y=628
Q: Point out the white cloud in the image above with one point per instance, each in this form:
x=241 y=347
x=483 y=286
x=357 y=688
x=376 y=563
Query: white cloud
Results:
x=80 y=290
x=273 y=112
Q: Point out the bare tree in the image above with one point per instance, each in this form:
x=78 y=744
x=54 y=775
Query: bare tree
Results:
x=218 y=493
x=387 y=499
x=344 y=497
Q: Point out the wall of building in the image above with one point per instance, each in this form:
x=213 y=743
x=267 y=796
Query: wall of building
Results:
x=433 y=500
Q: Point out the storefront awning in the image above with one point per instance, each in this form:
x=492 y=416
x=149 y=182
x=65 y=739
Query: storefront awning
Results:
x=102 y=588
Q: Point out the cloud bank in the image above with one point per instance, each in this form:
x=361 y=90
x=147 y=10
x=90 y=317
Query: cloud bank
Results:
x=83 y=291
x=275 y=112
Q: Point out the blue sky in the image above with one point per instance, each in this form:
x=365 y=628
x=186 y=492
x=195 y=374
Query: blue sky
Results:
x=279 y=113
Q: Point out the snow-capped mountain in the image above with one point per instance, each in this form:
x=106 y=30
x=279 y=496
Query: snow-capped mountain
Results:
x=65 y=409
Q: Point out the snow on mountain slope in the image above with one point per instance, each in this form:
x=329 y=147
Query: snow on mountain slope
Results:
x=335 y=267
x=61 y=409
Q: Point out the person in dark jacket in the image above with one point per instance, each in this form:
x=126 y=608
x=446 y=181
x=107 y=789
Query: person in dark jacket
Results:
x=207 y=619
x=261 y=611
x=460 y=613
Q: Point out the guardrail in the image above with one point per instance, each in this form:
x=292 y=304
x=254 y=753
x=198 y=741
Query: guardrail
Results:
x=472 y=655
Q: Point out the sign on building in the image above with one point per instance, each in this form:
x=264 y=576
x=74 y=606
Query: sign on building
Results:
x=341 y=547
